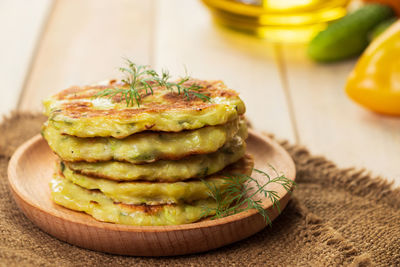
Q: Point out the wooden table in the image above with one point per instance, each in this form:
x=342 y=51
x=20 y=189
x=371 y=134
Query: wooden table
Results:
x=50 y=45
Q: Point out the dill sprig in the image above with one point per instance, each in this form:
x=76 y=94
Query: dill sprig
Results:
x=139 y=77
x=239 y=191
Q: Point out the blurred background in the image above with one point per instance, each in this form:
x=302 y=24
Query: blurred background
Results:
x=291 y=70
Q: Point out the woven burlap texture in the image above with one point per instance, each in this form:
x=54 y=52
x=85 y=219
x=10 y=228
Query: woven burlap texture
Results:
x=337 y=217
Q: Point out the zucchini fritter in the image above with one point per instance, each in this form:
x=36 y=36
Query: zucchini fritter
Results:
x=196 y=166
x=143 y=147
x=142 y=192
x=76 y=111
x=104 y=209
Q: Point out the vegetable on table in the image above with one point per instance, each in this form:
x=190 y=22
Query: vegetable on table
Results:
x=395 y=4
x=381 y=27
x=348 y=36
x=375 y=81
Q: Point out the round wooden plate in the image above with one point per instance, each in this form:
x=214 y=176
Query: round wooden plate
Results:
x=31 y=168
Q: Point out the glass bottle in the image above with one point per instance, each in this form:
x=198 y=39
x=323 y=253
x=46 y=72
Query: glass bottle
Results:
x=278 y=20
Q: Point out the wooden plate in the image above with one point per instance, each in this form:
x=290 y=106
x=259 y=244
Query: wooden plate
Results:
x=31 y=168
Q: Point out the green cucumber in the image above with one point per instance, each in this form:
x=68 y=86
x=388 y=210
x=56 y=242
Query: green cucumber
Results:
x=348 y=36
x=381 y=27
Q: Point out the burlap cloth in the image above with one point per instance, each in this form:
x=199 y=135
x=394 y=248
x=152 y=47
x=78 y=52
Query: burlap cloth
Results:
x=336 y=217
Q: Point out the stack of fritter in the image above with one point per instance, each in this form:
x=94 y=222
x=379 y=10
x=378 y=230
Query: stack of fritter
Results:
x=143 y=164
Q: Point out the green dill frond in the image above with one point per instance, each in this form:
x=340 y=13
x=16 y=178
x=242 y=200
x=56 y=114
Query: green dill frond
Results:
x=141 y=77
x=239 y=191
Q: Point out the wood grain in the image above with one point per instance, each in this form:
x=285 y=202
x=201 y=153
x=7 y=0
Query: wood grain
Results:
x=21 y=23
x=30 y=171
x=329 y=123
x=186 y=36
x=84 y=42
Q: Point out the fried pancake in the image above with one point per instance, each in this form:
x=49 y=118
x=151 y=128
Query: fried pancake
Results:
x=104 y=209
x=141 y=147
x=158 y=193
x=195 y=166
x=76 y=111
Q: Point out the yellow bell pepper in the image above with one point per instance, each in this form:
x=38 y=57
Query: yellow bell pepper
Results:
x=375 y=81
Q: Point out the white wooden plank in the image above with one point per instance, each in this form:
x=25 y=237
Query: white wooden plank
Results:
x=329 y=123
x=186 y=36
x=85 y=41
x=21 y=23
